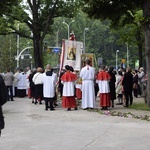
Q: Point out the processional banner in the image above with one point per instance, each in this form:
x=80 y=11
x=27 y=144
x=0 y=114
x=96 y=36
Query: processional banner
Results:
x=71 y=54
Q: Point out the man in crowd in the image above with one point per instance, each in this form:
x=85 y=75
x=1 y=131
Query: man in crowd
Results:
x=103 y=79
x=127 y=86
x=49 y=79
x=3 y=100
x=87 y=74
x=8 y=79
x=68 y=98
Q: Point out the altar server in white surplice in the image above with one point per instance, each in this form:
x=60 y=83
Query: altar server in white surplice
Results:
x=49 y=80
x=87 y=74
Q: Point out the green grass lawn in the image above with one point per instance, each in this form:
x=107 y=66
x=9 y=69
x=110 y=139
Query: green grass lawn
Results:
x=140 y=106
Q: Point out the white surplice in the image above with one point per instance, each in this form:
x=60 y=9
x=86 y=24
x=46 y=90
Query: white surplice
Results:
x=87 y=74
x=49 y=83
x=21 y=78
x=68 y=88
x=103 y=86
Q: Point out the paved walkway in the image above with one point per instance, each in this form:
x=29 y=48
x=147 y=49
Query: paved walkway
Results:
x=30 y=127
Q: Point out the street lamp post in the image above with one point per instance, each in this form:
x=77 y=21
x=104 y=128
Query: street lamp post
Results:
x=17 y=57
x=127 y=56
x=18 y=46
x=117 y=51
x=68 y=25
x=85 y=29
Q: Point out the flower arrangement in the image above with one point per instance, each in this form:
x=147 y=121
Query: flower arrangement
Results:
x=120 y=114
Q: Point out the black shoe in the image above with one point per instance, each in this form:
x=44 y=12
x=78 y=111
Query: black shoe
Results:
x=12 y=100
x=46 y=109
x=106 y=108
x=52 y=109
x=75 y=108
x=55 y=104
x=69 y=109
x=90 y=108
x=35 y=102
x=32 y=101
x=40 y=102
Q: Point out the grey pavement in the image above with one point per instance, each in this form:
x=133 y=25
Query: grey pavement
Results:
x=30 y=127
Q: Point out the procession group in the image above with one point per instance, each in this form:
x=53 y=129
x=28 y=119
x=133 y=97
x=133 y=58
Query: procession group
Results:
x=86 y=85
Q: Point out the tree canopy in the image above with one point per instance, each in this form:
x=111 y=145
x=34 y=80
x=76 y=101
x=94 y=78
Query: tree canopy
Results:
x=6 y=5
x=111 y=9
x=37 y=17
x=120 y=12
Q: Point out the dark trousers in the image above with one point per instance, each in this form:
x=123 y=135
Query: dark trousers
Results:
x=2 y=123
x=135 y=91
x=16 y=92
x=47 y=102
x=61 y=89
x=39 y=91
x=9 y=89
x=128 y=96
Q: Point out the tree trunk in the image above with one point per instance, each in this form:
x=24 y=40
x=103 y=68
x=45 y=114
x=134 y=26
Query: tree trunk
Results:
x=140 y=47
x=37 y=53
x=147 y=54
x=37 y=39
x=146 y=12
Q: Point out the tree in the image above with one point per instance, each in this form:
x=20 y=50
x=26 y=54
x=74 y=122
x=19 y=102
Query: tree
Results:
x=6 y=5
x=38 y=16
x=7 y=52
x=114 y=10
x=100 y=39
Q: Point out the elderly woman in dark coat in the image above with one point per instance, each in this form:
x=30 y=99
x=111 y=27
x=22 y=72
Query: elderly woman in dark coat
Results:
x=3 y=100
x=112 y=86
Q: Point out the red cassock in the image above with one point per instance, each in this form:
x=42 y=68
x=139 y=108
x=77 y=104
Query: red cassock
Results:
x=69 y=101
x=78 y=93
x=104 y=78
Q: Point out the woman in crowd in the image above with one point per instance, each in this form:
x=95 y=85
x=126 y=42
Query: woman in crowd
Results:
x=119 y=87
x=31 y=85
x=37 y=79
x=135 y=83
x=112 y=85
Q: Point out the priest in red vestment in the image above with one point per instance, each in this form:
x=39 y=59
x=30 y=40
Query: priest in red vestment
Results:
x=103 y=79
x=68 y=98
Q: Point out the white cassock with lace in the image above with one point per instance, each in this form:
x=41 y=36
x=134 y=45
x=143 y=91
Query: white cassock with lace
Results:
x=87 y=74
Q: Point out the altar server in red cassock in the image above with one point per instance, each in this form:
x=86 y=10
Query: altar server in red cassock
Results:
x=68 y=80
x=103 y=79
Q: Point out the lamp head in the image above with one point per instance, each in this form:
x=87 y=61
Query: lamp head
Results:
x=86 y=29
